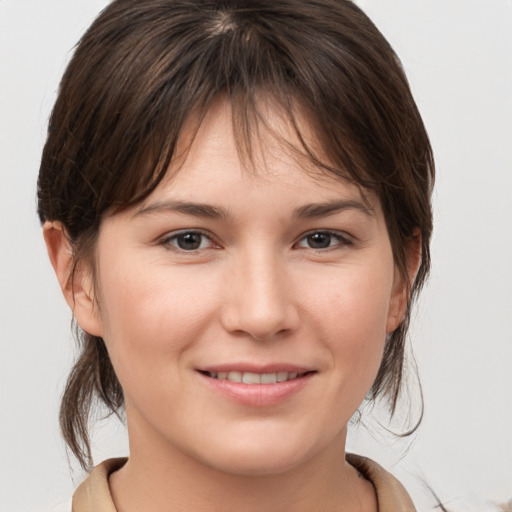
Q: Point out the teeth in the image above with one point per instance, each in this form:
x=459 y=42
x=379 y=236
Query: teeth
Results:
x=235 y=376
x=254 y=378
x=282 y=376
x=268 y=378
x=251 y=378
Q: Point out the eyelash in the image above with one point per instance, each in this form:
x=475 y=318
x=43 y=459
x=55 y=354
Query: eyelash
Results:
x=342 y=239
x=172 y=241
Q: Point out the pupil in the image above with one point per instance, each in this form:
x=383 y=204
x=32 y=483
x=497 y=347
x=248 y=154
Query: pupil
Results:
x=319 y=240
x=189 y=241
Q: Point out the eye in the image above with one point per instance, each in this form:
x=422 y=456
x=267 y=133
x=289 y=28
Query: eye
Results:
x=323 y=240
x=189 y=241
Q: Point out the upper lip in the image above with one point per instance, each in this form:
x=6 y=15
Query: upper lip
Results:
x=254 y=368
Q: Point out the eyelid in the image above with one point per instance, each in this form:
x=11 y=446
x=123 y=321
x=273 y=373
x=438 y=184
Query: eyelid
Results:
x=166 y=240
x=344 y=239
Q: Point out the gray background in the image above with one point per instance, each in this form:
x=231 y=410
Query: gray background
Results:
x=458 y=56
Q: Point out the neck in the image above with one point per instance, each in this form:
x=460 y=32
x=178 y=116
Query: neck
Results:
x=164 y=479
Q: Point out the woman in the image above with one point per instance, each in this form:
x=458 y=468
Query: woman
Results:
x=235 y=197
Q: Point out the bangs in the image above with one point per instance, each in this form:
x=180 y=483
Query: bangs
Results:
x=140 y=73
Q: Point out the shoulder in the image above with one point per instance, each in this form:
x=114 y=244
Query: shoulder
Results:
x=94 y=493
x=393 y=497
x=391 y=494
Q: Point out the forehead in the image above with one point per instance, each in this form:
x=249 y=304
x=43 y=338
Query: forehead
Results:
x=213 y=161
x=263 y=142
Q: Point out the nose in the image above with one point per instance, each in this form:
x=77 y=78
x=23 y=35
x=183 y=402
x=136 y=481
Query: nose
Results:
x=259 y=299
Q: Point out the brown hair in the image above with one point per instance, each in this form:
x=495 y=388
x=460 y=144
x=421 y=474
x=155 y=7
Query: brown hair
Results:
x=143 y=68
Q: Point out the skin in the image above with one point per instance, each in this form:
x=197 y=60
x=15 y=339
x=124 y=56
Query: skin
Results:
x=256 y=291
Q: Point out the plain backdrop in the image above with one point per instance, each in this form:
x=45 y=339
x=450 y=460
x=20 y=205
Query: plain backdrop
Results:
x=458 y=57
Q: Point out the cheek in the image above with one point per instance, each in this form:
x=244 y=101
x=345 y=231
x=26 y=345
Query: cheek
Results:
x=352 y=299
x=352 y=313
x=150 y=319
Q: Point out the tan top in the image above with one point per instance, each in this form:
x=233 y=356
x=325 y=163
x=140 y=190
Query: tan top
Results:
x=93 y=495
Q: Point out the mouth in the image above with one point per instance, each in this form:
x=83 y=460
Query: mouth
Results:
x=257 y=386
x=242 y=377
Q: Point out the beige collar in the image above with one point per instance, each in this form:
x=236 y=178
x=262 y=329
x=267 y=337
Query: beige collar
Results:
x=391 y=494
x=93 y=495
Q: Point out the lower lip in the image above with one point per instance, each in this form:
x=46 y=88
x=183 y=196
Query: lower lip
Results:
x=257 y=395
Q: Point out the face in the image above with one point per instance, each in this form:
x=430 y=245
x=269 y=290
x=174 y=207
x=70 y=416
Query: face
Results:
x=245 y=310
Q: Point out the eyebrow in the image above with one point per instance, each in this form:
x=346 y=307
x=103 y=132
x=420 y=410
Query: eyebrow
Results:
x=314 y=210
x=187 y=208
x=308 y=211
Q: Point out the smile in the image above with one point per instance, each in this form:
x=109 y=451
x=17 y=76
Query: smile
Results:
x=255 y=378
x=267 y=387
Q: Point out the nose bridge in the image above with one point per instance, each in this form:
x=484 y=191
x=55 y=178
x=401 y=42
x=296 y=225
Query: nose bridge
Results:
x=259 y=300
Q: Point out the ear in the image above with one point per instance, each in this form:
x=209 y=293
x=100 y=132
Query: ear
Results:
x=77 y=287
x=401 y=288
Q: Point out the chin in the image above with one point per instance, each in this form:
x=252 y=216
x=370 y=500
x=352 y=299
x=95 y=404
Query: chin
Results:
x=261 y=455
x=257 y=464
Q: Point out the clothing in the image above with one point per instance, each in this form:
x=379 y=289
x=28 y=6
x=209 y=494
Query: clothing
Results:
x=93 y=495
